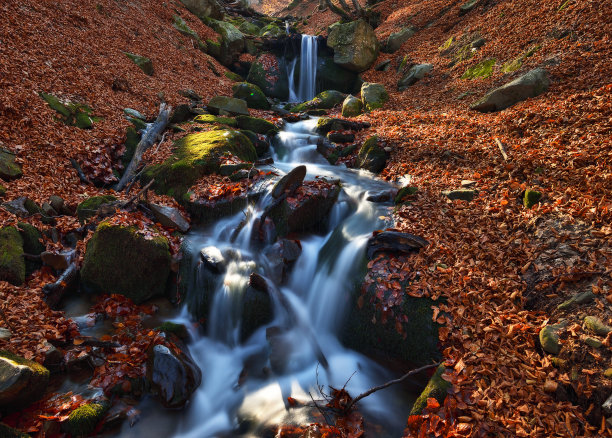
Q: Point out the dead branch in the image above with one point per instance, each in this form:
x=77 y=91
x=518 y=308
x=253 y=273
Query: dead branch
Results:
x=138 y=194
x=77 y=167
x=67 y=282
x=502 y=148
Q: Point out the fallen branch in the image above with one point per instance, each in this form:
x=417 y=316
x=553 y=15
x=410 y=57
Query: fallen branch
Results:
x=67 y=282
x=148 y=139
x=502 y=149
x=138 y=194
x=77 y=167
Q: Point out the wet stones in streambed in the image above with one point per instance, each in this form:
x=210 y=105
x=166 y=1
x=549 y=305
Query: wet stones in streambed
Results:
x=327 y=124
x=213 y=259
x=281 y=257
x=22 y=381
x=372 y=156
x=289 y=182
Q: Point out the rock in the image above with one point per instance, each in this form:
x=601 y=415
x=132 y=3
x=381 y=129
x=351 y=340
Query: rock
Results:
x=213 y=259
x=394 y=241
x=468 y=6
x=382 y=196
x=373 y=96
x=414 y=74
x=324 y=100
x=371 y=156
x=58 y=261
x=84 y=419
x=383 y=66
x=48 y=210
x=232 y=40
x=178 y=330
x=254 y=124
x=281 y=257
x=549 y=339
x=32 y=244
x=483 y=69
x=173 y=377
x=462 y=194
x=354 y=44
x=531 y=198
x=9 y=169
x=90 y=206
x=119 y=260
x=351 y=106
x=436 y=388
x=12 y=264
x=289 y=182
x=257 y=311
x=54 y=359
x=228 y=104
x=204 y=8
x=467 y=183
x=327 y=124
x=581 y=298
x=531 y=84
x=252 y=94
x=330 y=76
x=17 y=207
x=593 y=342
x=22 y=381
x=209 y=118
x=190 y=94
x=143 y=63
x=249 y=28
x=405 y=192
x=397 y=39
x=596 y=326
x=341 y=137
x=269 y=74
x=182 y=113
x=9 y=432
x=261 y=146
x=5 y=334
x=170 y=217
x=608 y=373
x=196 y=155
x=272 y=30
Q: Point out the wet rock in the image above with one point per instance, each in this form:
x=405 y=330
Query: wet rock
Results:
x=143 y=63
x=596 y=326
x=5 y=334
x=331 y=76
x=229 y=105
x=327 y=124
x=373 y=96
x=12 y=264
x=252 y=94
x=9 y=169
x=84 y=419
x=354 y=44
x=17 y=207
x=173 y=377
x=436 y=388
x=397 y=39
x=289 y=182
x=54 y=359
x=257 y=311
x=213 y=259
x=262 y=146
x=341 y=137
x=119 y=260
x=90 y=206
x=531 y=84
x=351 y=106
x=414 y=74
x=382 y=196
x=281 y=257
x=169 y=217
x=58 y=261
x=269 y=74
x=32 y=244
x=322 y=101
x=462 y=194
x=22 y=381
x=549 y=339
x=371 y=156
x=257 y=125
x=394 y=241
x=178 y=330
x=531 y=198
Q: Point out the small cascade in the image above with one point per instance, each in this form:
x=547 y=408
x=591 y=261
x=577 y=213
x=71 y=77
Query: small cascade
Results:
x=307 y=88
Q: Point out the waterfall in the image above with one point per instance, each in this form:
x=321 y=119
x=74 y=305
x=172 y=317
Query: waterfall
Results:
x=308 y=71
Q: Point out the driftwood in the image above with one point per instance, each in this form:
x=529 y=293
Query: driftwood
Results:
x=502 y=149
x=148 y=139
x=66 y=283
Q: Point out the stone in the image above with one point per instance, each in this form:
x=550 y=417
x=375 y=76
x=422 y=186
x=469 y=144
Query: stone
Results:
x=12 y=263
x=405 y=192
x=397 y=39
x=119 y=260
x=232 y=40
x=134 y=114
x=414 y=74
x=331 y=76
x=596 y=326
x=327 y=124
x=22 y=381
x=436 y=388
x=190 y=94
x=272 y=30
x=268 y=72
x=289 y=182
x=58 y=261
x=257 y=125
x=341 y=137
x=83 y=420
x=549 y=339
x=394 y=241
x=257 y=311
x=178 y=330
x=351 y=107
x=281 y=257
x=462 y=194
x=251 y=94
x=593 y=342
x=354 y=44
x=468 y=6
x=373 y=96
x=531 y=84
x=32 y=244
x=9 y=169
x=371 y=156
x=48 y=209
x=531 y=198
x=381 y=196
x=182 y=113
x=204 y=8
x=209 y=118
x=324 y=100
x=383 y=66
x=262 y=146
x=230 y=105
x=5 y=334
x=17 y=207
x=143 y=63
x=89 y=207
x=170 y=217
x=581 y=298
x=213 y=259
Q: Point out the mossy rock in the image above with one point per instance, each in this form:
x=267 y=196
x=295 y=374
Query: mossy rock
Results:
x=261 y=146
x=531 y=198
x=31 y=245
x=259 y=126
x=9 y=169
x=179 y=330
x=268 y=72
x=196 y=155
x=12 y=264
x=436 y=388
x=403 y=192
x=232 y=40
x=180 y=25
x=549 y=339
x=89 y=207
x=22 y=381
x=120 y=260
x=272 y=31
x=327 y=124
x=324 y=100
x=251 y=94
x=72 y=113
x=2 y=191
x=9 y=432
x=461 y=194
x=233 y=76
x=83 y=420
x=132 y=138
x=373 y=95
x=596 y=326
x=224 y=105
x=330 y=76
x=249 y=28
x=143 y=63
x=483 y=69
x=354 y=44
x=371 y=156
x=351 y=107
x=209 y=118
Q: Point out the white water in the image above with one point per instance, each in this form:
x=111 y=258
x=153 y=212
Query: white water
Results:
x=307 y=89
x=317 y=290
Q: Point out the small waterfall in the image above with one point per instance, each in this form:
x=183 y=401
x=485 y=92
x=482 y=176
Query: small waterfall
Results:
x=308 y=71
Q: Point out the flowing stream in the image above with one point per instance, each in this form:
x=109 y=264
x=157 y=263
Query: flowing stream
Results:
x=318 y=288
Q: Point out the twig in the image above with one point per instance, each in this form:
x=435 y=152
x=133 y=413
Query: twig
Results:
x=82 y=176
x=389 y=383
x=320 y=409
x=129 y=187
x=502 y=149
x=137 y=195
x=160 y=142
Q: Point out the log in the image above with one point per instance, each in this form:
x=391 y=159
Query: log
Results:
x=394 y=241
x=148 y=139
x=66 y=283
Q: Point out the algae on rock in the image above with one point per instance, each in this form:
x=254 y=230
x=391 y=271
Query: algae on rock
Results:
x=12 y=264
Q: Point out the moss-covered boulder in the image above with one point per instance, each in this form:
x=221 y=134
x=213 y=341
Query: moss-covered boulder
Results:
x=268 y=72
x=9 y=169
x=373 y=95
x=232 y=40
x=209 y=118
x=120 y=260
x=371 y=156
x=32 y=244
x=90 y=206
x=196 y=155
x=436 y=388
x=83 y=420
x=22 y=381
x=351 y=106
x=397 y=39
x=143 y=63
x=12 y=264
x=331 y=76
x=354 y=44
x=180 y=25
x=531 y=84
x=225 y=105
x=249 y=28
x=483 y=69
x=413 y=75
x=251 y=94
x=324 y=100
x=257 y=125
x=549 y=339
x=233 y=76
x=327 y=124
x=204 y=8
x=173 y=328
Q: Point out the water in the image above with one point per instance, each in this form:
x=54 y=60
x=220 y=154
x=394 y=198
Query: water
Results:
x=314 y=299
x=307 y=89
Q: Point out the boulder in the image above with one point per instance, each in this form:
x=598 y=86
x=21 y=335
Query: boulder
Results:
x=351 y=106
x=209 y=118
x=257 y=311
x=251 y=94
x=397 y=39
x=468 y=6
x=143 y=63
x=549 y=339
x=354 y=44
x=272 y=30
x=281 y=257
x=22 y=381
x=120 y=260
x=227 y=106
x=531 y=84
x=268 y=72
x=9 y=169
x=257 y=125
x=84 y=419
x=196 y=155
x=414 y=74
x=327 y=124
x=436 y=388
x=232 y=40
x=32 y=244
x=89 y=207
x=531 y=198
x=213 y=259
x=462 y=194
x=371 y=156
x=394 y=241
x=262 y=146
x=330 y=76
x=289 y=182
x=204 y=8
x=12 y=264
x=169 y=217
x=341 y=137
x=373 y=95
x=324 y=100
x=596 y=326
x=17 y=207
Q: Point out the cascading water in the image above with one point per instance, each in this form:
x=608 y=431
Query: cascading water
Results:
x=307 y=88
x=247 y=381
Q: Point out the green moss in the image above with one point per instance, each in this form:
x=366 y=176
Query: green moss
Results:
x=89 y=207
x=72 y=113
x=257 y=125
x=447 y=44
x=233 y=76
x=9 y=169
x=371 y=156
x=436 y=388
x=31 y=245
x=515 y=64
x=9 y=432
x=132 y=138
x=324 y=100
x=209 y=118
x=214 y=48
x=252 y=94
x=83 y=420
x=403 y=192
x=176 y=329
x=483 y=69
x=12 y=264
x=180 y=25
x=144 y=63
x=2 y=191
x=531 y=198
x=29 y=387
x=120 y=260
x=272 y=31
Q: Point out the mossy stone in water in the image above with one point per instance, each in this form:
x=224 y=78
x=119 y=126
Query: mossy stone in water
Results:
x=89 y=207
x=324 y=100
x=12 y=264
x=22 y=381
x=436 y=388
x=83 y=420
x=371 y=156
